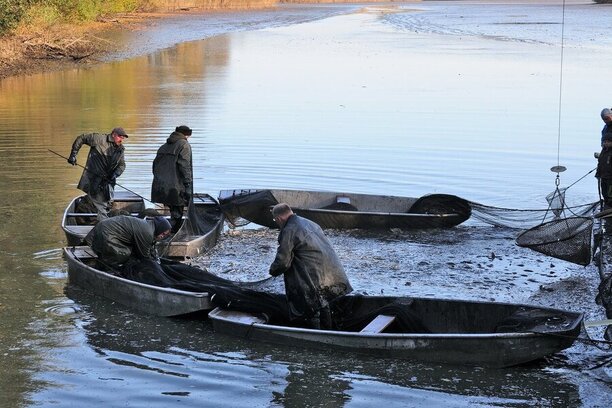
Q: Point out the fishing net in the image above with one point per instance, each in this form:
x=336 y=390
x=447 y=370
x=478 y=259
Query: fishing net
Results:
x=203 y=213
x=442 y=204
x=567 y=238
x=253 y=297
x=524 y=218
x=254 y=201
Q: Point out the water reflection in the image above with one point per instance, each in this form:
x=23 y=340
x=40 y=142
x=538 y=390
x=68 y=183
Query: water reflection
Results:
x=342 y=104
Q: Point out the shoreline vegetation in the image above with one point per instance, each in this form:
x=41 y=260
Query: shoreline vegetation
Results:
x=47 y=35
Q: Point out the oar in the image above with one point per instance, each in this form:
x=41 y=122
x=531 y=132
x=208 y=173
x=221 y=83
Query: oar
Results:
x=123 y=187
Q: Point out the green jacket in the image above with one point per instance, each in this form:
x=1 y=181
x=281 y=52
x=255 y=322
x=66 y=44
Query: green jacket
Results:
x=117 y=239
x=105 y=161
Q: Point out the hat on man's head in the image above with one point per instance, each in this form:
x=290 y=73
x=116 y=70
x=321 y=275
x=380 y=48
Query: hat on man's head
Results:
x=184 y=130
x=119 y=131
x=606 y=112
x=161 y=225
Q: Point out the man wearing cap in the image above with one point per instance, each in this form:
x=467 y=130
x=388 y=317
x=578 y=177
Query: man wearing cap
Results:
x=606 y=116
x=118 y=239
x=105 y=162
x=173 y=176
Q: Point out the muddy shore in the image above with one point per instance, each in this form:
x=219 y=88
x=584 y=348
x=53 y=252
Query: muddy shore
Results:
x=128 y=35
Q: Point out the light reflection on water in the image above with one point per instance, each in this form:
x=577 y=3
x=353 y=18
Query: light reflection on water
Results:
x=363 y=103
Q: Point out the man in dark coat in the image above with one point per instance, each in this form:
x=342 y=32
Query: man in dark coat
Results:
x=312 y=271
x=105 y=163
x=172 y=175
x=606 y=116
x=118 y=239
x=604 y=170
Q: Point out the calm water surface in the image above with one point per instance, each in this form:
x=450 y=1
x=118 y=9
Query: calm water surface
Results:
x=460 y=98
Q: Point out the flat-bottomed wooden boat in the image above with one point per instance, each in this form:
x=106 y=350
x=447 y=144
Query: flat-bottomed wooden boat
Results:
x=155 y=300
x=448 y=331
x=348 y=210
x=80 y=217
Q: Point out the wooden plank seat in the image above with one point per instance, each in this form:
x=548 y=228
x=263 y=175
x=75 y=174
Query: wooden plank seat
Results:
x=343 y=200
x=78 y=214
x=242 y=317
x=79 y=229
x=379 y=324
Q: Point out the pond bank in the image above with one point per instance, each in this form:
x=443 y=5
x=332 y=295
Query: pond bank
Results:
x=34 y=50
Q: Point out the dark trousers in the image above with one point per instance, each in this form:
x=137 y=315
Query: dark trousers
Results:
x=176 y=217
x=606 y=192
x=321 y=320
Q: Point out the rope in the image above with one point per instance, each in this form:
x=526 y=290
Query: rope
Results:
x=105 y=178
x=560 y=83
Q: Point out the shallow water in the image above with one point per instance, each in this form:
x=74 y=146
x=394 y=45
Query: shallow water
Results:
x=459 y=98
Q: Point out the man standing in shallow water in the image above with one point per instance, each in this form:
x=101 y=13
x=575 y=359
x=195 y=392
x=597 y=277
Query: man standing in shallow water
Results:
x=311 y=269
x=105 y=162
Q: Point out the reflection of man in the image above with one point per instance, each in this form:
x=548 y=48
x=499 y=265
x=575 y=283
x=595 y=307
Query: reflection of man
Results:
x=105 y=163
x=172 y=175
x=312 y=271
x=117 y=239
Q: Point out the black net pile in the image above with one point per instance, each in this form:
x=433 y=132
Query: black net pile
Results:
x=252 y=297
x=442 y=204
x=200 y=218
x=529 y=320
x=244 y=296
x=246 y=200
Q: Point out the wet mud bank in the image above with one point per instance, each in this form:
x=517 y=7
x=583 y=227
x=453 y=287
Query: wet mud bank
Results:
x=128 y=35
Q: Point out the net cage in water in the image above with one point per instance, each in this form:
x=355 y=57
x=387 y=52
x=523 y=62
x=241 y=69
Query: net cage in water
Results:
x=567 y=238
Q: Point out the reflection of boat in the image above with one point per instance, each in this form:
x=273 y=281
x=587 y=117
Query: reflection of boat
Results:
x=199 y=232
x=80 y=215
x=432 y=330
x=348 y=210
x=147 y=298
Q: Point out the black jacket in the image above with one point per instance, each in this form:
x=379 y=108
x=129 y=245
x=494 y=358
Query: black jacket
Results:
x=312 y=271
x=172 y=174
x=117 y=239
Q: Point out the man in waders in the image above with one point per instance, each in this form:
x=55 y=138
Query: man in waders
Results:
x=105 y=162
x=311 y=269
x=172 y=175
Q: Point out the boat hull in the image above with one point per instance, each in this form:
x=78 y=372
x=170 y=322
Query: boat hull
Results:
x=138 y=296
x=370 y=211
x=185 y=247
x=450 y=341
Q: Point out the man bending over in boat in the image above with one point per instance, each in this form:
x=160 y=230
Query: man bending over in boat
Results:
x=105 y=162
x=312 y=271
x=118 y=240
